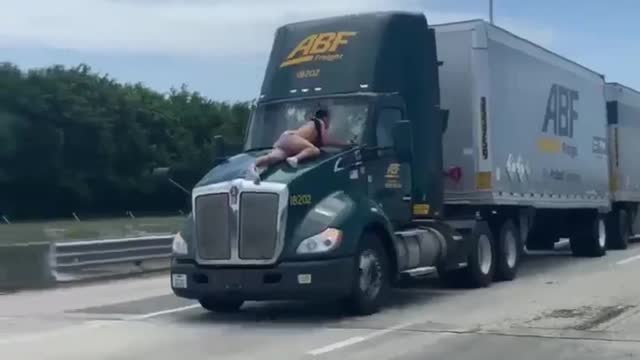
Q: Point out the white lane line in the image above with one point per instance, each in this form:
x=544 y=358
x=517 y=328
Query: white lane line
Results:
x=96 y=324
x=165 y=312
x=628 y=260
x=336 y=346
x=357 y=339
x=57 y=332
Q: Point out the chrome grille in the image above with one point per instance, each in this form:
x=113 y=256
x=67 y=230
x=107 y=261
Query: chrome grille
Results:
x=239 y=222
x=258 y=225
x=212 y=226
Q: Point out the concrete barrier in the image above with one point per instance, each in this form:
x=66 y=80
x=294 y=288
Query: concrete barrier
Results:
x=26 y=265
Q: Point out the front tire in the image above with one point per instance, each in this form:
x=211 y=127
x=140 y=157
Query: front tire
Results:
x=371 y=286
x=220 y=305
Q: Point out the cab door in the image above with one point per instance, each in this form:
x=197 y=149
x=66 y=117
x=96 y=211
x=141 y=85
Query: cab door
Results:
x=390 y=181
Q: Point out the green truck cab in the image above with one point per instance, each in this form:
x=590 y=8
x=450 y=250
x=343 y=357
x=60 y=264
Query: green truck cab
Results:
x=348 y=223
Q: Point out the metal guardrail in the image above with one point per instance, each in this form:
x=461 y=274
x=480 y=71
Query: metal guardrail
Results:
x=84 y=254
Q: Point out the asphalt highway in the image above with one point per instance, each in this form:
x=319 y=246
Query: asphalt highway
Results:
x=560 y=307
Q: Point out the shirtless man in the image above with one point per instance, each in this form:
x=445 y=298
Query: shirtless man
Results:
x=300 y=144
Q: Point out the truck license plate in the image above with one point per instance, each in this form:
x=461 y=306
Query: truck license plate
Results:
x=179 y=281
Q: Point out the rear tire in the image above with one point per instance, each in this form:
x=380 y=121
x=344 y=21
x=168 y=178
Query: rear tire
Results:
x=618 y=230
x=509 y=251
x=589 y=236
x=480 y=268
x=371 y=286
x=220 y=305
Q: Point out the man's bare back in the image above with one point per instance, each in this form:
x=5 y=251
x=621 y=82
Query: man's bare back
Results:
x=309 y=132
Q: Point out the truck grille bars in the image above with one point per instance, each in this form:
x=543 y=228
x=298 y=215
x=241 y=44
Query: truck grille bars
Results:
x=239 y=223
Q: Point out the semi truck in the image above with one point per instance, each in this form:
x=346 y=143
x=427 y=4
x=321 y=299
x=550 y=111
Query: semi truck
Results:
x=470 y=144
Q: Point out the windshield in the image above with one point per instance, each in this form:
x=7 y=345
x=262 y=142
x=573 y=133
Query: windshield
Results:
x=348 y=117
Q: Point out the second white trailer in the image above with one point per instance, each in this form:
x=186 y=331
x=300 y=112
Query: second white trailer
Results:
x=623 y=110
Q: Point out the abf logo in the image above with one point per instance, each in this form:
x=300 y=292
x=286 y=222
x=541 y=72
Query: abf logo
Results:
x=559 y=119
x=319 y=47
x=561 y=114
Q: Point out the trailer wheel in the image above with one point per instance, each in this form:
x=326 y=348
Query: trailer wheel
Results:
x=220 y=305
x=509 y=251
x=480 y=268
x=589 y=237
x=618 y=230
x=371 y=286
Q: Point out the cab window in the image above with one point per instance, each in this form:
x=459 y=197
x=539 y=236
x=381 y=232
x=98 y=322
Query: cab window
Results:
x=384 y=126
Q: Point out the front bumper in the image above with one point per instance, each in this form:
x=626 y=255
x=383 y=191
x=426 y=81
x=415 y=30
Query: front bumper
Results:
x=328 y=279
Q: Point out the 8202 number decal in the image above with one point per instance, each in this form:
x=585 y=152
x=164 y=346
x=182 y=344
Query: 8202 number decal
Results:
x=302 y=199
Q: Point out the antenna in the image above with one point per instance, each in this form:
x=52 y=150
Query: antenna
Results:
x=491 y=11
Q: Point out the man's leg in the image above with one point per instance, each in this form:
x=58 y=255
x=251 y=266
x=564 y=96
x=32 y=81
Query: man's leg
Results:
x=303 y=155
x=271 y=158
x=294 y=144
x=263 y=162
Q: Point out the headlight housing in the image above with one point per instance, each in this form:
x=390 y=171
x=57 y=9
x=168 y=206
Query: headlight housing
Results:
x=179 y=246
x=323 y=242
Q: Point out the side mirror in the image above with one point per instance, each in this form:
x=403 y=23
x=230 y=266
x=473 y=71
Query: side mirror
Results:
x=218 y=142
x=402 y=140
x=164 y=173
x=161 y=173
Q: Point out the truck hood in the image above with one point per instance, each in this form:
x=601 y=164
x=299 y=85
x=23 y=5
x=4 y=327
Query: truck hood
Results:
x=238 y=166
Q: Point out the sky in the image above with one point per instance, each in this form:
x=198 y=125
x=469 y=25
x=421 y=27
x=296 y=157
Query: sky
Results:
x=220 y=47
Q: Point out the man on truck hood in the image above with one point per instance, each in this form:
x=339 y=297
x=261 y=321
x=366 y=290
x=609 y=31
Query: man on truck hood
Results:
x=299 y=144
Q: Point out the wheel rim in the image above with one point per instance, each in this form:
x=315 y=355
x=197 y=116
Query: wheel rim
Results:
x=602 y=234
x=485 y=255
x=511 y=249
x=370 y=274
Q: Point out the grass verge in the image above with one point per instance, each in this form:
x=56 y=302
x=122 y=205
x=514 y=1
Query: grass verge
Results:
x=88 y=230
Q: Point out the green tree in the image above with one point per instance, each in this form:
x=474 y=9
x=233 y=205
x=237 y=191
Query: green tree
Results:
x=75 y=140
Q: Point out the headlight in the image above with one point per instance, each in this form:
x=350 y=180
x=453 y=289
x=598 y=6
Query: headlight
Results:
x=320 y=243
x=179 y=246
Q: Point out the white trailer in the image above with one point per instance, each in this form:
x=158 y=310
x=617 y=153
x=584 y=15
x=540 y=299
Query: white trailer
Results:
x=623 y=110
x=528 y=128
